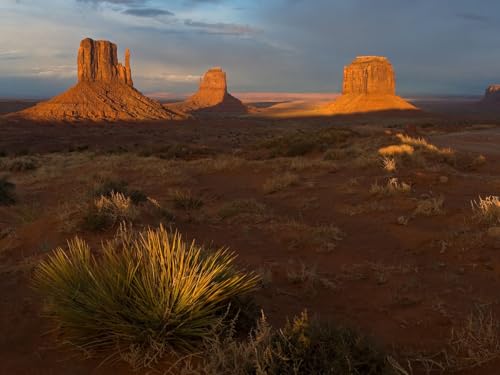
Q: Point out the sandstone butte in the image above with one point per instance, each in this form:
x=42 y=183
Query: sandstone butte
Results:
x=369 y=86
x=212 y=96
x=492 y=96
x=104 y=92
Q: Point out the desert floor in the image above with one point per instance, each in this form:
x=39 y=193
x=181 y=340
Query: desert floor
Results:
x=295 y=198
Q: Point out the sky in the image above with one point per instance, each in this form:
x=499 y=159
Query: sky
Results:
x=437 y=47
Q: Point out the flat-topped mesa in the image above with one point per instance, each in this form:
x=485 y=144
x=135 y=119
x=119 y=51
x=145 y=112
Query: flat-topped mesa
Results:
x=369 y=86
x=369 y=75
x=98 y=62
x=492 y=95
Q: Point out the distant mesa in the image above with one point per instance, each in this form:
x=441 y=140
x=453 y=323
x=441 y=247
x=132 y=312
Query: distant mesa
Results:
x=492 y=95
x=212 y=96
x=104 y=92
x=369 y=86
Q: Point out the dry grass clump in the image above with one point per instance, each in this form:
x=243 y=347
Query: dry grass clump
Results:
x=186 y=200
x=323 y=238
x=302 y=347
x=393 y=186
x=147 y=295
x=242 y=208
x=487 y=210
x=389 y=164
x=470 y=346
x=7 y=196
x=393 y=150
x=308 y=276
x=430 y=206
x=443 y=154
x=108 y=211
x=19 y=164
x=475 y=343
x=279 y=182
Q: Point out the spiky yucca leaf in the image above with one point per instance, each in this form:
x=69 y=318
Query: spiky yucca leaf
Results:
x=150 y=292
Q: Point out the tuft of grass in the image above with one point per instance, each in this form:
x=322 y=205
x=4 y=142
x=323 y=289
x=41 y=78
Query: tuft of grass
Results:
x=107 y=212
x=280 y=182
x=429 y=207
x=19 y=164
x=108 y=187
x=7 y=196
x=393 y=186
x=147 y=295
x=241 y=207
x=302 y=347
x=487 y=210
x=185 y=200
x=389 y=164
x=396 y=150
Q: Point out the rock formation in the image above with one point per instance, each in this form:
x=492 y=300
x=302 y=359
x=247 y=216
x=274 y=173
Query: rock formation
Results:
x=212 y=96
x=369 y=86
x=492 y=95
x=104 y=91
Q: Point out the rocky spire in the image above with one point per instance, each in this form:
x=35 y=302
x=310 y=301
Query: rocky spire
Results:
x=98 y=61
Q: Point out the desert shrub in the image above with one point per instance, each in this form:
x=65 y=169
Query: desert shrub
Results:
x=393 y=186
x=487 y=210
x=303 y=142
x=109 y=187
x=108 y=211
x=241 y=207
x=429 y=207
x=185 y=200
x=302 y=347
x=7 y=188
x=19 y=164
x=145 y=296
x=280 y=182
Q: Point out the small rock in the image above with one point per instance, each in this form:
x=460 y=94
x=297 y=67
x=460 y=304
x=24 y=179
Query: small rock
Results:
x=443 y=179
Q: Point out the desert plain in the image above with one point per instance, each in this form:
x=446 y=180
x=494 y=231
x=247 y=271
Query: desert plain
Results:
x=374 y=212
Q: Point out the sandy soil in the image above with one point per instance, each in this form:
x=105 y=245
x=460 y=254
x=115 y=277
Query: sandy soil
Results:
x=407 y=286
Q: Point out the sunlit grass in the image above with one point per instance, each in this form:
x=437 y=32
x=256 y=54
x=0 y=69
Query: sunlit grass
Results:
x=149 y=293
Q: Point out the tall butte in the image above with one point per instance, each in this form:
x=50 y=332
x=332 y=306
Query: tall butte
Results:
x=104 y=91
x=369 y=86
x=212 y=96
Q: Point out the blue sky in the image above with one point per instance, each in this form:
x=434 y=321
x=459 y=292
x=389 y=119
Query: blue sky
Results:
x=436 y=46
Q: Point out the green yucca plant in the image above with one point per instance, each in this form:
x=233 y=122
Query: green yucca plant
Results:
x=149 y=293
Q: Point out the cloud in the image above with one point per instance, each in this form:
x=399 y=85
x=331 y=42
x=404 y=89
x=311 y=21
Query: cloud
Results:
x=178 y=78
x=117 y=2
x=56 y=71
x=147 y=12
x=12 y=54
x=222 y=28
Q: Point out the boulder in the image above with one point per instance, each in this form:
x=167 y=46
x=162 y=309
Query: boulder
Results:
x=104 y=92
x=369 y=86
